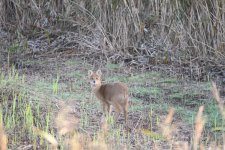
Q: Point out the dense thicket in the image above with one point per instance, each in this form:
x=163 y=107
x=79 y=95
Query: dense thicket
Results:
x=187 y=33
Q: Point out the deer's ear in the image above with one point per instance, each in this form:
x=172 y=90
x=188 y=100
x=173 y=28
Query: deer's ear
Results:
x=90 y=72
x=99 y=72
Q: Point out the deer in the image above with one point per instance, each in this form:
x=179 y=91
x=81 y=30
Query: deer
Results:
x=110 y=94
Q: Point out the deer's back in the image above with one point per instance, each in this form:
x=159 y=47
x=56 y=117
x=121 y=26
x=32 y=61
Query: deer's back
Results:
x=112 y=90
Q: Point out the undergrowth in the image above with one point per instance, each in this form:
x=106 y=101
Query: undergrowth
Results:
x=40 y=113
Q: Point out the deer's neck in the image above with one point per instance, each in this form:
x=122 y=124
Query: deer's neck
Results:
x=97 y=92
x=96 y=89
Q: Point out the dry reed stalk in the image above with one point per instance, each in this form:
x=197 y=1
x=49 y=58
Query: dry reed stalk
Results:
x=65 y=121
x=216 y=95
x=166 y=127
x=99 y=143
x=199 y=125
x=3 y=138
x=46 y=136
x=185 y=29
x=104 y=129
x=75 y=143
x=201 y=147
x=181 y=146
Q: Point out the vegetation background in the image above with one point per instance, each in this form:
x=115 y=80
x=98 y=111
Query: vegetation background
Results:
x=167 y=51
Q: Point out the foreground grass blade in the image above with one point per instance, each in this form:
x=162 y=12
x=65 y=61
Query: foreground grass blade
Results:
x=3 y=138
x=46 y=136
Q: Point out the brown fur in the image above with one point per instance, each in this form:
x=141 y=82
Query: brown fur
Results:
x=115 y=94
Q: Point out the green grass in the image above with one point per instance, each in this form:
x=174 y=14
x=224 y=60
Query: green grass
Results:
x=148 y=77
x=185 y=99
x=17 y=111
x=111 y=66
x=145 y=90
x=29 y=101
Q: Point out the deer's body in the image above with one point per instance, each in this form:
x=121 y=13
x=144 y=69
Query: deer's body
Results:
x=111 y=94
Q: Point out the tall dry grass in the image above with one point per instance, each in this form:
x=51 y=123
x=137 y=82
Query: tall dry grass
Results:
x=184 y=32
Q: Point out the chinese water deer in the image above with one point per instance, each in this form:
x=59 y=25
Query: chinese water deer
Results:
x=115 y=94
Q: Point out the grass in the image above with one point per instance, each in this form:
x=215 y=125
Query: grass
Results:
x=145 y=91
x=38 y=110
x=179 y=34
x=111 y=66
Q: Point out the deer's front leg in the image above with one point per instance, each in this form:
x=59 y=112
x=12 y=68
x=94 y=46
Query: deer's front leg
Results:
x=106 y=109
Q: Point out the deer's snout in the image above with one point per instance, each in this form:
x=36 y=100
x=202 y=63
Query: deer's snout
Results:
x=93 y=82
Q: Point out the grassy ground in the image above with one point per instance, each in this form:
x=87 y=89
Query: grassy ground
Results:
x=53 y=97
